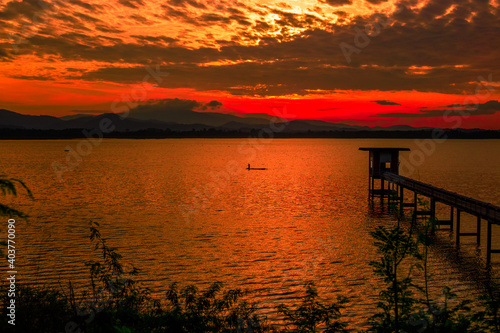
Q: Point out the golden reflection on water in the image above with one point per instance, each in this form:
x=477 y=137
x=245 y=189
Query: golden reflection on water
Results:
x=187 y=210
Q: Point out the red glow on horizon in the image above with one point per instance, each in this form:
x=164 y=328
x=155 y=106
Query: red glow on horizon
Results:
x=349 y=107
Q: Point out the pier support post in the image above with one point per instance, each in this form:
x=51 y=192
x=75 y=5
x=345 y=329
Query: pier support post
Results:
x=458 y=229
x=373 y=187
x=370 y=183
x=432 y=218
x=451 y=218
x=488 y=245
x=433 y=208
x=382 y=187
x=389 y=198
x=370 y=186
x=415 y=205
x=401 y=199
x=478 y=236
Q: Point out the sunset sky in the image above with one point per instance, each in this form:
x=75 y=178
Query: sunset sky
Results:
x=363 y=62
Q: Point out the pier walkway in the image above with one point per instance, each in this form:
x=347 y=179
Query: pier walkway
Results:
x=384 y=165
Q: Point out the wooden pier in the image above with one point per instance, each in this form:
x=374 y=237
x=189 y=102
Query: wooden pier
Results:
x=384 y=166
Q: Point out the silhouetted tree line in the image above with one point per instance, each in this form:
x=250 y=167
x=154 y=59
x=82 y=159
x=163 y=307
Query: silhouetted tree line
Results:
x=32 y=134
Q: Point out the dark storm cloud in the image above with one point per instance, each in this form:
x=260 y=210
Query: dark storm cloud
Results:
x=435 y=8
x=337 y=3
x=313 y=52
x=283 y=77
x=83 y=4
x=416 y=51
x=489 y=107
x=157 y=39
x=461 y=110
x=107 y=28
x=33 y=77
x=26 y=8
x=295 y=20
x=176 y=13
x=224 y=13
x=207 y=19
x=4 y=55
x=183 y=3
x=211 y=18
x=67 y=18
x=87 y=18
x=385 y=102
x=75 y=21
x=95 y=8
x=86 y=40
x=212 y=105
x=177 y=104
x=392 y=46
x=141 y=19
x=376 y=2
x=132 y=3
x=167 y=105
x=329 y=109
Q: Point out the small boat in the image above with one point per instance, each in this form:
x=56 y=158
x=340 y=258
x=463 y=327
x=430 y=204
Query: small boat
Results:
x=249 y=168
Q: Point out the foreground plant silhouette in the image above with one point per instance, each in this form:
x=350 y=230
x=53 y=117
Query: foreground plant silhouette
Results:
x=312 y=315
x=212 y=310
x=433 y=316
x=396 y=246
x=402 y=310
x=116 y=295
x=488 y=318
x=115 y=302
x=109 y=278
x=8 y=187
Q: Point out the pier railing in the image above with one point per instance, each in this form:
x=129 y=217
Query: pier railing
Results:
x=472 y=206
x=384 y=166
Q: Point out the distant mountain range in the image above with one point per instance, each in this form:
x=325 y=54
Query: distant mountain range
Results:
x=143 y=118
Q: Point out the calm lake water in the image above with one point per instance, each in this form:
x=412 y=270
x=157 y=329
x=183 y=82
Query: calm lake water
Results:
x=187 y=210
